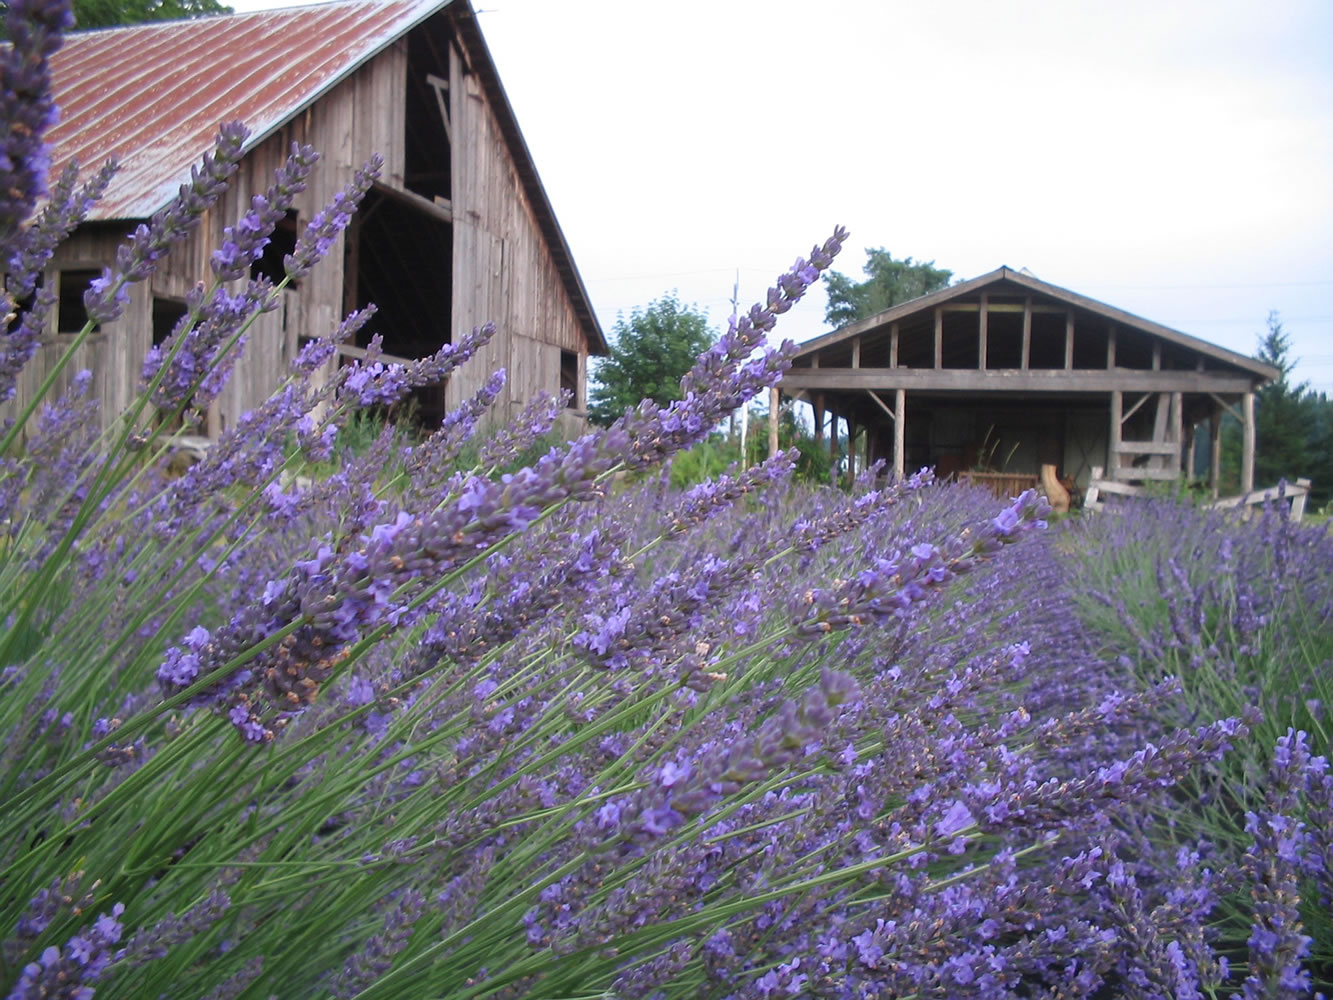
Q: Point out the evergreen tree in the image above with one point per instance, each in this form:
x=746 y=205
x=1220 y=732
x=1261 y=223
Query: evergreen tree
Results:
x=650 y=352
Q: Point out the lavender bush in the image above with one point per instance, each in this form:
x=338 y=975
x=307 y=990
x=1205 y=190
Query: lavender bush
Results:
x=432 y=725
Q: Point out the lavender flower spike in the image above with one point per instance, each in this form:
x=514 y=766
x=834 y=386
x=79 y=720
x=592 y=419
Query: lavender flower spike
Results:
x=324 y=228
x=26 y=106
x=136 y=259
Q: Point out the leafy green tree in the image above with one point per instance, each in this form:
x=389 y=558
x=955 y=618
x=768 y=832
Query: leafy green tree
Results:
x=888 y=283
x=114 y=13
x=650 y=352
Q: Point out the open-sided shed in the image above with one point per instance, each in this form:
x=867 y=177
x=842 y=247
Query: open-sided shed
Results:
x=458 y=231
x=1011 y=373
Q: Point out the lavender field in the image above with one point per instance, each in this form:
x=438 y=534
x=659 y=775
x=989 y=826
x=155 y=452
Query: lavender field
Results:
x=420 y=719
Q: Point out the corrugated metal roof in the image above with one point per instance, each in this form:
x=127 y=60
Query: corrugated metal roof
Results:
x=153 y=95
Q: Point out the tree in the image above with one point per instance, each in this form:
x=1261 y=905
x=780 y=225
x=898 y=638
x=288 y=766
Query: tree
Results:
x=888 y=282
x=114 y=13
x=1292 y=424
x=650 y=353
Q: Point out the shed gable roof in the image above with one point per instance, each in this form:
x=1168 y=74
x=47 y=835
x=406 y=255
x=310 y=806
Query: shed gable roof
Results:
x=1025 y=281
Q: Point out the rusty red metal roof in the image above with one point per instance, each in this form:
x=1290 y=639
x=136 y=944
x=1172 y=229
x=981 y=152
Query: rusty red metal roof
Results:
x=153 y=95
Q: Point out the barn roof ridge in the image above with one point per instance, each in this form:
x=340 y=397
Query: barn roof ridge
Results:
x=1025 y=279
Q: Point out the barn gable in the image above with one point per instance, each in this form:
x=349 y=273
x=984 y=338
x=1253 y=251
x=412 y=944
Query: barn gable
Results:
x=458 y=231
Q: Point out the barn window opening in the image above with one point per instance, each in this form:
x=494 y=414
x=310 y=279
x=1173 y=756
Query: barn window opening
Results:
x=428 y=133
x=71 y=315
x=401 y=259
x=280 y=244
x=166 y=314
x=569 y=377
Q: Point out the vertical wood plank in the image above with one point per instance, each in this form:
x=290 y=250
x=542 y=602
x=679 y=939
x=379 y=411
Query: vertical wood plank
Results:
x=981 y=333
x=1215 y=450
x=1247 y=443
x=1069 y=340
x=856 y=352
x=774 y=408
x=1110 y=346
x=893 y=345
x=1113 y=444
x=939 y=337
x=1027 y=333
x=899 y=435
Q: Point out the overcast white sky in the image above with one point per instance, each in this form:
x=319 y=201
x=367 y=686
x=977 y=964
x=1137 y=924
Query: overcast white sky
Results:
x=1172 y=159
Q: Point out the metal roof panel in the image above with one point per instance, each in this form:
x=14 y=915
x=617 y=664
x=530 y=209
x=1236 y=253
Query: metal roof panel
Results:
x=152 y=96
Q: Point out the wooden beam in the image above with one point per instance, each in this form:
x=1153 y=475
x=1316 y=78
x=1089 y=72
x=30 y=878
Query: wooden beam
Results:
x=439 y=209
x=882 y=405
x=1036 y=380
x=1223 y=404
x=893 y=345
x=899 y=433
x=1117 y=418
x=818 y=406
x=1069 y=340
x=1027 y=333
x=1135 y=408
x=981 y=334
x=1190 y=436
x=1177 y=423
x=1123 y=447
x=1129 y=472
x=1247 y=443
x=939 y=337
x=1215 y=449
x=856 y=352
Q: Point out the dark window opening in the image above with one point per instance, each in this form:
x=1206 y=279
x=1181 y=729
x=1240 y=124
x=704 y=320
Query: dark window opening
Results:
x=402 y=260
x=1004 y=340
x=1132 y=350
x=961 y=344
x=280 y=244
x=1089 y=347
x=167 y=313
x=1048 y=340
x=916 y=346
x=569 y=377
x=71 y=315
x=427 y=157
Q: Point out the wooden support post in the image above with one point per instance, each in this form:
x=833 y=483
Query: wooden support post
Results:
x=1247 y=444
x=818 y=406
x=1191 y=432
x=1027 y=333
x=1177 y=420
x=1110 y=346
x=1215 y=450
x=1069 y=340
x=851 y=451
x=774 y=408
x=939 y=337
x=981 y=334
x=1157 y=355
x=893 y=345
x=1113 y=445
x=856 y=352
x=899 y=436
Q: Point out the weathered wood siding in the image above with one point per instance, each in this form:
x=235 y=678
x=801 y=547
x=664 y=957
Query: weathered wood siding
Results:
x=503 y=270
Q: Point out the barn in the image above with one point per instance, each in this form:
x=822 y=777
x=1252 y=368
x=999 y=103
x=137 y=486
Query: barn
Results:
x=458 y=230
x=1003 y=374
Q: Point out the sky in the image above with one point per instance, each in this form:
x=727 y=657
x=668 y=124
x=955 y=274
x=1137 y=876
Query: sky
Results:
x=1171 y=159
